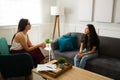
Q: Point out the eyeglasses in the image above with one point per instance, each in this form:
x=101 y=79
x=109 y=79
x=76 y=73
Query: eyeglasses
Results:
x=28 y=24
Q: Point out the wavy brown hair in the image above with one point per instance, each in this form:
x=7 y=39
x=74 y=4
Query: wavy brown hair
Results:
x=92 y=39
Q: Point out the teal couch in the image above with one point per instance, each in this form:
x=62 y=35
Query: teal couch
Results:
x=14 y=66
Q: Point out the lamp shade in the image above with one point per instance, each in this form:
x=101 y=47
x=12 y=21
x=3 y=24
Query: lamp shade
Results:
x=57 y=10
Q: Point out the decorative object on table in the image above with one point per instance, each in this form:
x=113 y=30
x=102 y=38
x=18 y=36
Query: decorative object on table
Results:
x=48 y=41
x=61 y=62
x=48 y=48
x=57 y=11
x=58 y=70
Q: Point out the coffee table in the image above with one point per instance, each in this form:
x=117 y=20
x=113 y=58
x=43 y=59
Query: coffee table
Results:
x=74 y=74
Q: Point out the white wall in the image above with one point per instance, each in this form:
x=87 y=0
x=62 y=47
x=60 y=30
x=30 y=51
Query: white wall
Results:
x=73 y=23
x=38 y=33
x=70 y=22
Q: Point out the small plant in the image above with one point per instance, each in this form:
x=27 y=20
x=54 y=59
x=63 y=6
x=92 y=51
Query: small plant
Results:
x=61 y=60
x=48 y=40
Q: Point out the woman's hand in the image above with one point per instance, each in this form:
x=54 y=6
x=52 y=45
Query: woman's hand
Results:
x=80 y=55
x=42 y=45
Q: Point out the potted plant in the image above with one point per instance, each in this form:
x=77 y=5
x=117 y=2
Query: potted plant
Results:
x=61 y=62
x=48 y=41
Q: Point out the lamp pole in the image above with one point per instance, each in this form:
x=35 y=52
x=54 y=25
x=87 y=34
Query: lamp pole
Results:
x=56 y=11
x=55 y=24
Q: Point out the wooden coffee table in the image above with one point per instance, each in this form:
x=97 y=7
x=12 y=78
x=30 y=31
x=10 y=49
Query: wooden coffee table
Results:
x=74 y=74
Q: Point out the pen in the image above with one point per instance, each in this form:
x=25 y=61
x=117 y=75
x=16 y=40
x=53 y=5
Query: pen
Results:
x=49 y=67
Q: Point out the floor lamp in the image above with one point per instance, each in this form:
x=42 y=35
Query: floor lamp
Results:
x=56 y=11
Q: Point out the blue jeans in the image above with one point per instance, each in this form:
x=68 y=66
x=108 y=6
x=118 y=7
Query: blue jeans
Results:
x=81 y=62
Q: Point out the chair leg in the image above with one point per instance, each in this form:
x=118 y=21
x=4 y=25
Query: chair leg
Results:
x=1 y=78
x=30 y=77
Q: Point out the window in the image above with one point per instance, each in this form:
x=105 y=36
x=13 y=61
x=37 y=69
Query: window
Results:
x=11 y=11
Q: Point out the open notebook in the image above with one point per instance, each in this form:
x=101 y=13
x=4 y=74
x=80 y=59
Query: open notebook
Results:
x=46 y=67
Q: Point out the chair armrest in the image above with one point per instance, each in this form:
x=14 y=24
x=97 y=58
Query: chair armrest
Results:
x=54 y=45
x=9 y=46
x=16 y=65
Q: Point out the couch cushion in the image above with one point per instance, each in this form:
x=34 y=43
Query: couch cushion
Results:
x=4 y=49
x=68 y=55
x=106 y=66
x=79 y=36
x=110 y=46
x=65 y=44
x=73 y=39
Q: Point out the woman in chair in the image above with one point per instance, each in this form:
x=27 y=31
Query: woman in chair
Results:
x=21 y=43
x=88 y=47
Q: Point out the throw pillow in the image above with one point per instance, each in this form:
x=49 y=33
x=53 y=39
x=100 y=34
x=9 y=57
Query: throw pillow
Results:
x=74 y=40
x=4 y=49
x=65 y=44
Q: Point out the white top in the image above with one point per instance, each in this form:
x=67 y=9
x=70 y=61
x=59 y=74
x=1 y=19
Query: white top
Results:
x=17 y=46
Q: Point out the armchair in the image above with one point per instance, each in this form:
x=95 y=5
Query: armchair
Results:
x=16 y=66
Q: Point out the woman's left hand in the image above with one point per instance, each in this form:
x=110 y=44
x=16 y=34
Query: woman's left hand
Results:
x=80 y=55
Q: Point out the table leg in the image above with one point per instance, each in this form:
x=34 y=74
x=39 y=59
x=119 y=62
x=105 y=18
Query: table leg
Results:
x=49 y=55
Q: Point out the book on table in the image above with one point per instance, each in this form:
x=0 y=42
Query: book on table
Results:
x=52 y=68
x=46 y=67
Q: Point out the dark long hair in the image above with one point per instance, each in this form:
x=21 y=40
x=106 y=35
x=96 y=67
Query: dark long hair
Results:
x=21 y=26
x=92 y=39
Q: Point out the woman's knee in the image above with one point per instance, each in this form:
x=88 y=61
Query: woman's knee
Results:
x=75 y=58
x=84 y=58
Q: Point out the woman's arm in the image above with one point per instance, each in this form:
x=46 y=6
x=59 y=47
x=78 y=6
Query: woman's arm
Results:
x=81 y=50
x=88 y=52
x=20 y=39
x=91 y=51
x=29 y=42
x=82 y=43
x=81 y=47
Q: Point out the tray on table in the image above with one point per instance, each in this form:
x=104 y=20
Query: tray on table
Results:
x=58 y=70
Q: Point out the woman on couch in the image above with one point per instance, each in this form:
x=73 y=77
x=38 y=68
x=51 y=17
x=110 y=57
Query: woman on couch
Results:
x=88 y=47
x=21 y=43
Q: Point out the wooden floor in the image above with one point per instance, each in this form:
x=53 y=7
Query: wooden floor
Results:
x=37 y=77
